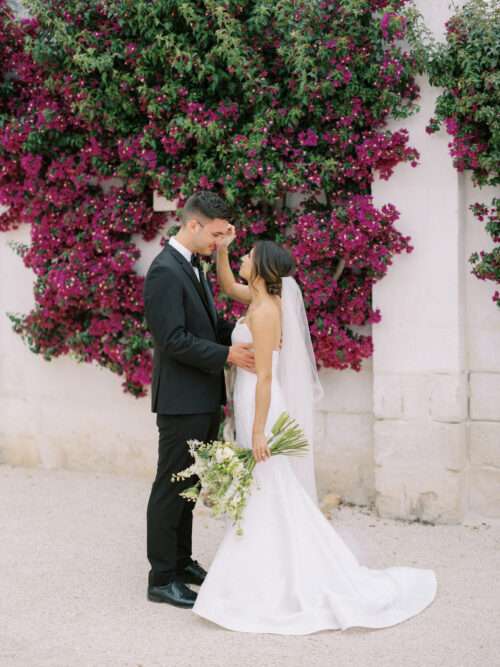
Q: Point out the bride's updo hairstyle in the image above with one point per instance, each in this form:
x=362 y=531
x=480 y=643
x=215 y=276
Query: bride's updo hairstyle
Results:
x=272 y=262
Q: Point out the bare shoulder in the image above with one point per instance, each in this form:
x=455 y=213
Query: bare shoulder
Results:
x=264 y=317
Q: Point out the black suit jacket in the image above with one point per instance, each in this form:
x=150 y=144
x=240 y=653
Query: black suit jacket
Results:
x=191 y=342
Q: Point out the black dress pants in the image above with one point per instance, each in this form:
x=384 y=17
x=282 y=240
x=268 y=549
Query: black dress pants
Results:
x=169 y=516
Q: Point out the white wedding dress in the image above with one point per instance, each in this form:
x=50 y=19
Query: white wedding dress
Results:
x=290 y=572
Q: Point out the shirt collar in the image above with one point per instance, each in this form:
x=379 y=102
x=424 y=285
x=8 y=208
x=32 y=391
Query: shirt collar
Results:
x=185 y=252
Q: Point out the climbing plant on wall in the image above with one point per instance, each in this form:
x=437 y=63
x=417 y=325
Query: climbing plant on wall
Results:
x=267 y=103
x=466 y=66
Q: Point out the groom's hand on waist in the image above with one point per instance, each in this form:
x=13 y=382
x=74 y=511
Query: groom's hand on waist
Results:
x=240 y=354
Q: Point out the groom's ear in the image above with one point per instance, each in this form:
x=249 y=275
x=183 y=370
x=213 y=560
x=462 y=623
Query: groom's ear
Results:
x=191 y=224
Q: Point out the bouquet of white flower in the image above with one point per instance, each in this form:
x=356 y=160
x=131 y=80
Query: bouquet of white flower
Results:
x=225 y=471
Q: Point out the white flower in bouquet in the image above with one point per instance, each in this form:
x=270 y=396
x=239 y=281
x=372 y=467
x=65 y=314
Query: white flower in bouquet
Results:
x=225 y=471
x=224 y=453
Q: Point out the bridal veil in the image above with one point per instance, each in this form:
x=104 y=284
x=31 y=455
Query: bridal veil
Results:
x=298 y=377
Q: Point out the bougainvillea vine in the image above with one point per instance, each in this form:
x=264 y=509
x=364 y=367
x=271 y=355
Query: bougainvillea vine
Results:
x=280 y=107
x=466 y=67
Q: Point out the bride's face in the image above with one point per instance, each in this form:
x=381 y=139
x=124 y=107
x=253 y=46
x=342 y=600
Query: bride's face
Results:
x=246 y=265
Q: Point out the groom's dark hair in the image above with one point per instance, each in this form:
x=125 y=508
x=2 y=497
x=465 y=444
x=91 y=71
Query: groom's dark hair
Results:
x=205 y=204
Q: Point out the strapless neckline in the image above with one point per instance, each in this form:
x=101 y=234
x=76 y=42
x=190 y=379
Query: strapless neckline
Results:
x=240 y=322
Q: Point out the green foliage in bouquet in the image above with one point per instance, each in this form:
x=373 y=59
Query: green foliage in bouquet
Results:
x=225 y=471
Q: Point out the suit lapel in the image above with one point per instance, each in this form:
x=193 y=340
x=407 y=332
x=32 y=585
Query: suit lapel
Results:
x=210 y=296
x=202 y=292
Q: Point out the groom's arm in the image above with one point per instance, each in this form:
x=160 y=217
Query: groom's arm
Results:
x=224 y=327
x=224 y=330
x=164 y=311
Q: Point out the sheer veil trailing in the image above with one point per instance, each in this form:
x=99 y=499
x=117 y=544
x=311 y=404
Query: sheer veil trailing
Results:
x=298 y=377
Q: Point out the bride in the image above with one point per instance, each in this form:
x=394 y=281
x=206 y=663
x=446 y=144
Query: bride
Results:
x=290 y=572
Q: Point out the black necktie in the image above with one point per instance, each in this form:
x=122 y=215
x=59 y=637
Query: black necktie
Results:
x=195 y=261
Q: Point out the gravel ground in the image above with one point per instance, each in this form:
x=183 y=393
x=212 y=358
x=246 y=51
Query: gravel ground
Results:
x=73 y=587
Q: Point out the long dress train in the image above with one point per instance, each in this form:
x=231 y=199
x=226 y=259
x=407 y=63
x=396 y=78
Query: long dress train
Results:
x=290 y=572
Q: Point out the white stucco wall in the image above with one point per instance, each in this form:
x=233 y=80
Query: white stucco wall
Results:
x=417 y=431
x=63 y=414
x=437 y=351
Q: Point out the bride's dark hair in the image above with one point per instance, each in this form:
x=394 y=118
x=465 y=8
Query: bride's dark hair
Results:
x=272 y=262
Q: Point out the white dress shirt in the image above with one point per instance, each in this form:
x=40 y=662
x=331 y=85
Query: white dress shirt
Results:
x=185 y=252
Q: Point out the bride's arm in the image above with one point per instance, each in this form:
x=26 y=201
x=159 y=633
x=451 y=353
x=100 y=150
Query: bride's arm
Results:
x=263 y=326
x=225 y=276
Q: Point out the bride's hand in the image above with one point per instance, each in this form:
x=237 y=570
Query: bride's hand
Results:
x=260 y=449
x=229 y=237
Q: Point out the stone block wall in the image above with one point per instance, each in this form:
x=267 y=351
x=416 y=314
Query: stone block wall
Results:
x=416 y=433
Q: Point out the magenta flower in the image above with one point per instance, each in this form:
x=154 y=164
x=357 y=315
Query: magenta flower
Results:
x=81 y=154
x=308 y=138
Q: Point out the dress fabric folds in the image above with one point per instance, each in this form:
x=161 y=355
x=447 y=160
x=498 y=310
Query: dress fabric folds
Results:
x=290 y=572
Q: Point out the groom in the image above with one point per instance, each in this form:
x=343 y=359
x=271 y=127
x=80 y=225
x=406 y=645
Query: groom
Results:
x=191 y=346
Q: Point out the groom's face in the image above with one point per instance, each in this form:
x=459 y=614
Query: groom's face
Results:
x=207 y=234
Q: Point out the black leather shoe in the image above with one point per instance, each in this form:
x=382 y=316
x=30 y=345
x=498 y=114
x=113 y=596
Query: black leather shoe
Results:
x=193 y=573
x=175 y=592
